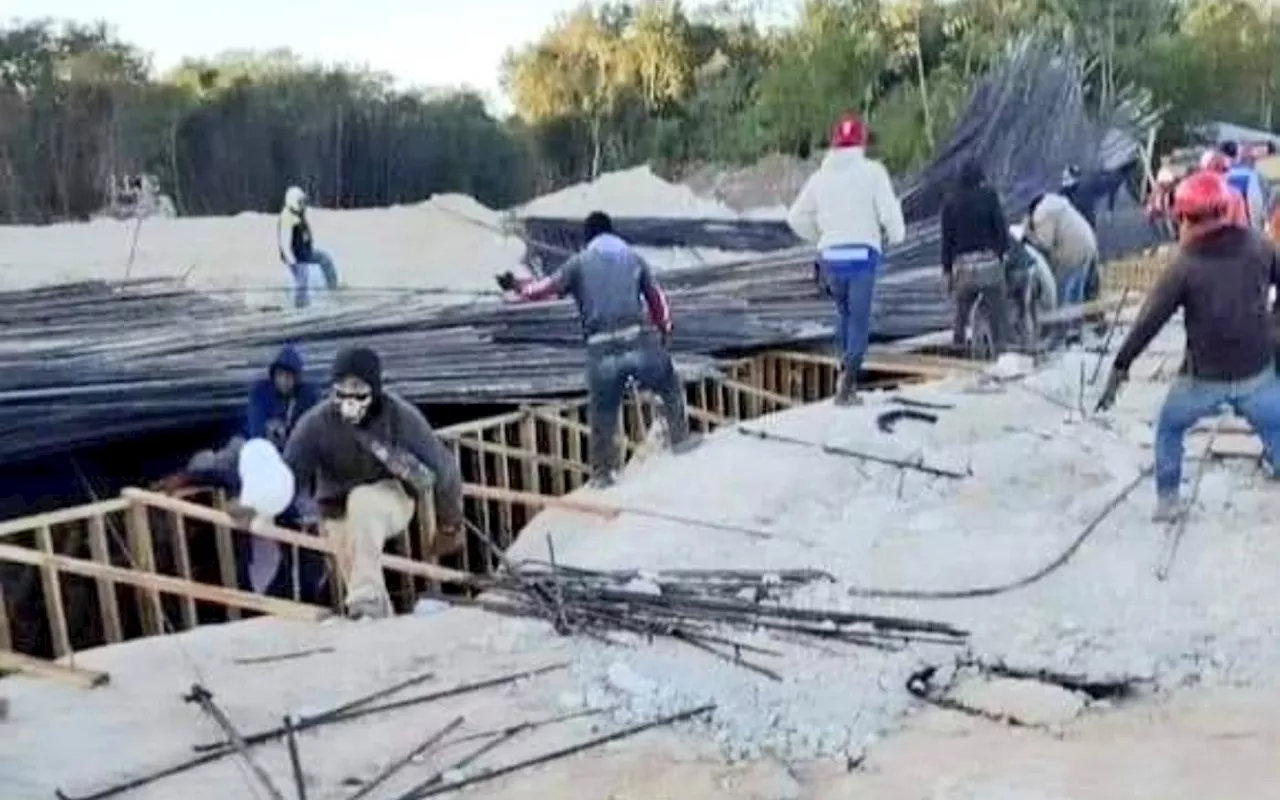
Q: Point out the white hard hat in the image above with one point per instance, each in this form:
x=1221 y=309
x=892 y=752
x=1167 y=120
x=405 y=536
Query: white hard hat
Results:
x=1165 y=176
x=294 y=198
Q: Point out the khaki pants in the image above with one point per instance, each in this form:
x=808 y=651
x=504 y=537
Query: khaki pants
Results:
x=375 y=513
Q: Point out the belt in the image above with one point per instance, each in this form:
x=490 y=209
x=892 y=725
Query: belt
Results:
x=621 y=334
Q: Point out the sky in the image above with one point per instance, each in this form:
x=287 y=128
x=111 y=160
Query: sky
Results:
x=421 y=42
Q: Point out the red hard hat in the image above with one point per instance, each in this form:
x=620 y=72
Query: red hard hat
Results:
x=849 y=132
x=1202 y=195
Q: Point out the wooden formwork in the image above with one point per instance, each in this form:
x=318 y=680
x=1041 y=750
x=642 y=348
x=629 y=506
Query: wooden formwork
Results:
x=1137 y=274
x=146 y=563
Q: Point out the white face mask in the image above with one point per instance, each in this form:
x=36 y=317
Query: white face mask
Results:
x=353 y=399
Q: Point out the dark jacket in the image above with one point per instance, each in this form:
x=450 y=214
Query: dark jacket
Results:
x=972 y=220
x=270 y=414
x=1222 y=283
x=612 y=286
x=329 y=460
x=294 y=237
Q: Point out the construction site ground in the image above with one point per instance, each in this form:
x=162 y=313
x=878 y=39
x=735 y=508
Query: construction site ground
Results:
x=1200 y=648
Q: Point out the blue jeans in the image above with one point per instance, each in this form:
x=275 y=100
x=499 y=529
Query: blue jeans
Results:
x=1189 y=400
x=1072 y=286
x=302 y=277
x=610 y=367
x=852 y=291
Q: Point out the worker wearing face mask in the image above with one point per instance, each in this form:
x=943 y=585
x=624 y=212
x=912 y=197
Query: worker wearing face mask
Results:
x=363 y=457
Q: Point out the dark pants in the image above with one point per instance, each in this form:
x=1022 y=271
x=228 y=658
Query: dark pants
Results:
x=981 y=276
x=610 y=367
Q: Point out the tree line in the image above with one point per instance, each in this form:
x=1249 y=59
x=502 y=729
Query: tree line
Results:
x=606 y=86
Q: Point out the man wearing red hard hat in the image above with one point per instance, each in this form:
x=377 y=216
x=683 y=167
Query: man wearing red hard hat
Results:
x=1221 y=279
x=848 y=209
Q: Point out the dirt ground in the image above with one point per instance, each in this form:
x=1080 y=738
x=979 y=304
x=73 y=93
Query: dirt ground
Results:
x=1197 y=744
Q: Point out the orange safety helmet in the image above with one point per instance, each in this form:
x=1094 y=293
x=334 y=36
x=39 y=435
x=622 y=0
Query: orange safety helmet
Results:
x=849 y=131
x=1203 y=195
x=1204 y=203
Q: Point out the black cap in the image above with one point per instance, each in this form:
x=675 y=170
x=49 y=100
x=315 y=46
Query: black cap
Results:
x=359 y=362
x=597 y=222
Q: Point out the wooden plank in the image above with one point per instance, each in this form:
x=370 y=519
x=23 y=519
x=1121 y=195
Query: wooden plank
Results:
x=6 y=638
x=572 y=425
x=54 y=608
x=541 y=500
x=165 y=583
x=285 y=536
x=506 y=521
x=753 y=392
x=108 y=599
x=39 y=668
x=709 y=419
x=426 y=523
x=61 y=517
x=182 y=550
x=529 y=443
x=226 y=550
x=464 y=428
x=143 y=556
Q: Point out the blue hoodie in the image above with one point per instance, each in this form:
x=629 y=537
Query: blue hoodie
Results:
x=271 y=416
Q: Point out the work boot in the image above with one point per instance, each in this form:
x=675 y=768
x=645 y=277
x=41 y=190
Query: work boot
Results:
x=847 y=389
x=1169 y=508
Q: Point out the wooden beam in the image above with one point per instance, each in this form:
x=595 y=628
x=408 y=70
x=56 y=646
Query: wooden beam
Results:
x=61 y=517
x=108 y=600
x=165 y=583
x=540 y=500
x=295 y=538
x=55 y=609
x=39 y=668
x=756 y=391
x=475 y=426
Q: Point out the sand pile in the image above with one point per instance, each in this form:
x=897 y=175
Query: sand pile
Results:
x=636 y=192
x=450 y=241
x=429 y=244
x=762 y=190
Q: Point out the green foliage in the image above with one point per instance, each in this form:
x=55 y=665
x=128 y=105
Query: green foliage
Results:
x=606 y=86
x=77 y=107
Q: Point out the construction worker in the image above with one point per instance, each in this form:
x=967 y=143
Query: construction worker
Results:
x=615 y=291
x=1220 y=278
x=848 y=209
x=1245 y=180
x=1032 y=288
x=278 y=401
x=298 y=250
x=975 y=240
x=1217 y=163
x=360 y=461
x=1067 y=240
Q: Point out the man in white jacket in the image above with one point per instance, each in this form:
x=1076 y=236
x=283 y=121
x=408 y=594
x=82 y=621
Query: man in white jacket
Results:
x=849 y=210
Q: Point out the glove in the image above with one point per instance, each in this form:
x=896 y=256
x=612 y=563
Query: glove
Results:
x=1115 y=380
x=240 y=514
x=950 y=278
x=172 y=484
x=507 y=282
x=666 y=338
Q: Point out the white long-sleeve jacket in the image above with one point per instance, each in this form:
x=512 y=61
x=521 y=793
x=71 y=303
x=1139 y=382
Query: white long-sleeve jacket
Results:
x=848 y=201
